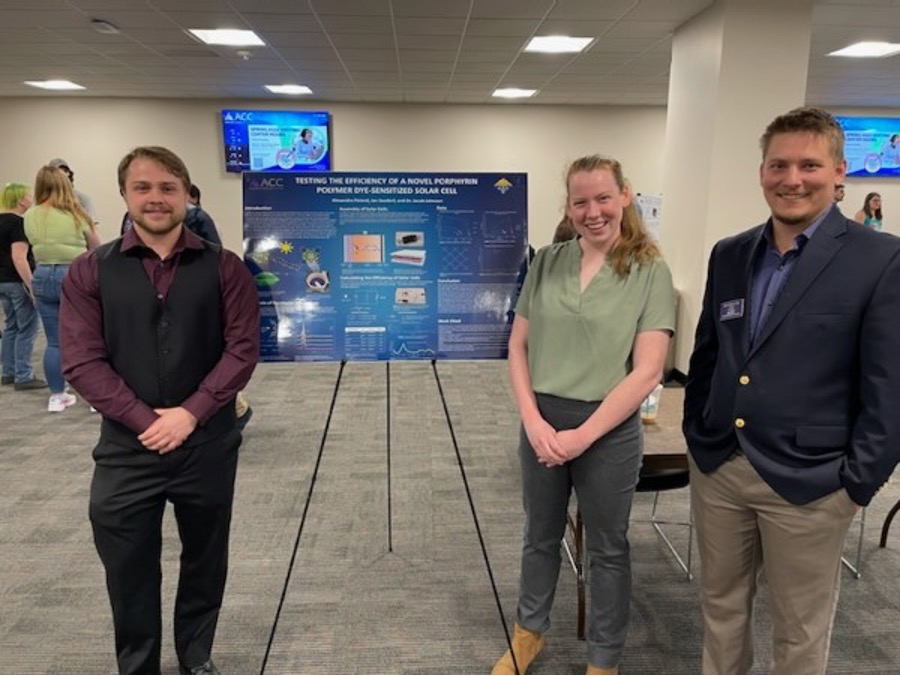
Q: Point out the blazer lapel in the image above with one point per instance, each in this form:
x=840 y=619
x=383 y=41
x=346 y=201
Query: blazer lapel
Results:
x=752 y=252
x=816 y=256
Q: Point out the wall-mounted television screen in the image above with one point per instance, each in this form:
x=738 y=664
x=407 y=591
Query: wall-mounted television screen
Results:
x=871 y=145
x=276 y=140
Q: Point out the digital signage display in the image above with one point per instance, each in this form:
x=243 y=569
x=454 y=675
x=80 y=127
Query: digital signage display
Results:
x=276 y=140
x=871 y=146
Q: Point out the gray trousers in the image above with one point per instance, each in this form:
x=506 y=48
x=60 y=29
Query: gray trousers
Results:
x=604 y=478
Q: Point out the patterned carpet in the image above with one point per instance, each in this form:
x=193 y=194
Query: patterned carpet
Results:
x=341 y=566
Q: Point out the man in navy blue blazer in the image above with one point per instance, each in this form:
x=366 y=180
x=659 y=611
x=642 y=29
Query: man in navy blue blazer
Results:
x=790 y=409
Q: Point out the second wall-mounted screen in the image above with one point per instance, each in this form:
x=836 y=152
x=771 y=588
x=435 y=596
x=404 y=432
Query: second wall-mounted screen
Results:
x=276 y=140
x=871 y=146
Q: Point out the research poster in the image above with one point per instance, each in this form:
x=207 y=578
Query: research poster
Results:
x=650 y=210
x=384 y=266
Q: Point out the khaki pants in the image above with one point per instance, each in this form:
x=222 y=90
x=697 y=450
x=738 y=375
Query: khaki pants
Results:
x=743 y=528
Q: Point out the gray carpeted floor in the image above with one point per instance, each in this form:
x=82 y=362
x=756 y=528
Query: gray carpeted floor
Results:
x=339 y=566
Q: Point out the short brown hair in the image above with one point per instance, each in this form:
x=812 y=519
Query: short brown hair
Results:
x=163 y=156
x=808 y=119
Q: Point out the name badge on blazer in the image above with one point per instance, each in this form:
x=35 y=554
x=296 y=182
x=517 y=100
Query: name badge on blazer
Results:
x=731 y=309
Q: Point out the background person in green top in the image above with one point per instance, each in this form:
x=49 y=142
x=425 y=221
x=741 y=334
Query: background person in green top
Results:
x=588 y=344
x=59 y=230
x=870 y=214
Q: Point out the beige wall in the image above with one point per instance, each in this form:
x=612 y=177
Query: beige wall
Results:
x=93 y=134
x=722 y=94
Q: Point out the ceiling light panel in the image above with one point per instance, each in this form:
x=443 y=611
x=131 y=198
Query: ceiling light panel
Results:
x=514 y=93
x=868 y=50
x=228 y=37
x=54 y=85
x=558 y=44
x=292 y=89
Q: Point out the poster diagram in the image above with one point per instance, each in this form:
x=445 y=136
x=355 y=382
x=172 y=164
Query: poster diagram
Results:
x=378 y=266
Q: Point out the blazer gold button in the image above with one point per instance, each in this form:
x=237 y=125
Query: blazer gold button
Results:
x=739 y=423
x=744 y=380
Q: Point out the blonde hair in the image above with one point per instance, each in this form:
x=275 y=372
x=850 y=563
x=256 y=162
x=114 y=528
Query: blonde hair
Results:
x=634 y=244
x=54 y=189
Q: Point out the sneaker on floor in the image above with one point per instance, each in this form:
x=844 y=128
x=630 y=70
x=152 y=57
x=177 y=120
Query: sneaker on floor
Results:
x=60 y=402
x=8 y=380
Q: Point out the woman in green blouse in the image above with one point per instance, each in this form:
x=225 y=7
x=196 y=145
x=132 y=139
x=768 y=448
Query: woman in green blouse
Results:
x=59 y=230
x=587 y=346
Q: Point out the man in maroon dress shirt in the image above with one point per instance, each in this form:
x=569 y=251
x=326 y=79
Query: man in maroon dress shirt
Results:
x=159 y=331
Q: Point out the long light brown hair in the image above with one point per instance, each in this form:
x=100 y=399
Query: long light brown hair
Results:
x=634 y=244
x=564 y=230
x=53 y=188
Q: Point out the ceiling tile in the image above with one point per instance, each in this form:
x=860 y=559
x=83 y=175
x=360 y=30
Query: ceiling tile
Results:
x=422 y=8
x=410 y=46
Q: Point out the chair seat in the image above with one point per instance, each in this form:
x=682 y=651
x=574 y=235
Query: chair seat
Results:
x=652 y=480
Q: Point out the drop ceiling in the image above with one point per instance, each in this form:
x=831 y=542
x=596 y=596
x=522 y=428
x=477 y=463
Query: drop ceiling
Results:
x=418 y=51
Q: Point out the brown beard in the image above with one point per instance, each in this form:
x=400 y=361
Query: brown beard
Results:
x=140 y=223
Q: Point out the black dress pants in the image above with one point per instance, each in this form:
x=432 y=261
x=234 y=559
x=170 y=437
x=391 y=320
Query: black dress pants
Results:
x=129 y=492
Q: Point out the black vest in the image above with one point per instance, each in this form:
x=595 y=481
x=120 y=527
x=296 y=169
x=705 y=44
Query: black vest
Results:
x=162 y=350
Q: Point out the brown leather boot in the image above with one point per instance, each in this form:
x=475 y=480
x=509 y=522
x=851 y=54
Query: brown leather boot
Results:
x=527 y=645
x=591 y=669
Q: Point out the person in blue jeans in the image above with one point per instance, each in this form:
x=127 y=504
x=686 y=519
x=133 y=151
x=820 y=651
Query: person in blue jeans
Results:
x=16 y=264
x=47 y=284
x=59 y=230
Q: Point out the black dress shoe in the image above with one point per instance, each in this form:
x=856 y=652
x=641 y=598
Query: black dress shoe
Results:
x=33 y=384
x=244 y=419
x=207 y=667
x=7 y=380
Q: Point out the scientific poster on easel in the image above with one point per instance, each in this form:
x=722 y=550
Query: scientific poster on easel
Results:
x=379 y=266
